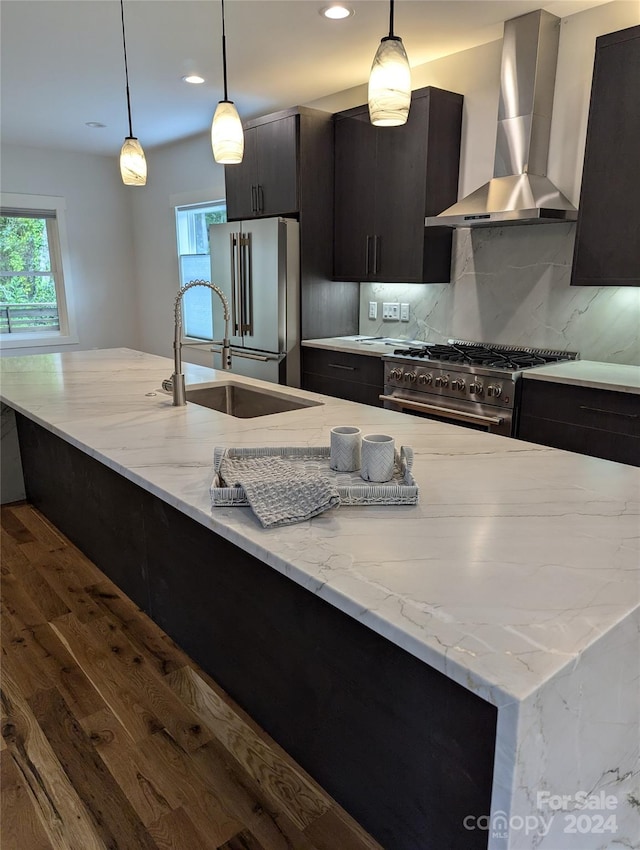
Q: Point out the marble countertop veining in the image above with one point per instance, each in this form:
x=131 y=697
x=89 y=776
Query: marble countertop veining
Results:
x=516 y=560
x=590 y=373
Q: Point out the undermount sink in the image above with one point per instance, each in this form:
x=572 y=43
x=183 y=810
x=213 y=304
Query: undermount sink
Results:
x=245 y=402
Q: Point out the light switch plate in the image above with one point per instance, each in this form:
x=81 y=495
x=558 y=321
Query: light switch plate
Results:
x=390 y=310
x=404 y=312
x=373 y=309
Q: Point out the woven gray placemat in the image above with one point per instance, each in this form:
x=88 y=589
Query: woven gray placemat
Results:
x=279 y=492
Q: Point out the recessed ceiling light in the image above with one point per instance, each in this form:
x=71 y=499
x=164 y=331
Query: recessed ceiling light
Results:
x=94 y=124
x=336 y=11
x=194 y=79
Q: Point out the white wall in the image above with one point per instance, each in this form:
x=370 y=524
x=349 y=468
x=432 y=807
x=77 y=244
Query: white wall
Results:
x=99 y=236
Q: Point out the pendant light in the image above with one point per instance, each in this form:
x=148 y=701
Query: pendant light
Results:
x=227 y=136
x=133 y=165
x=390 y=81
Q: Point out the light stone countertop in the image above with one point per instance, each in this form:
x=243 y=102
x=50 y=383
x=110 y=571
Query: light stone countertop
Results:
x=516 y=575
x=360 y=344
x=589 y=373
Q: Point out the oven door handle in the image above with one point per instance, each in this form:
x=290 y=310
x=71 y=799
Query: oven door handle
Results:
x=442 y=411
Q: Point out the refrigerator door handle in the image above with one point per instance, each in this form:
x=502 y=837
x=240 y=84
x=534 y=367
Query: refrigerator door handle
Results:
x=242 y=286
x=248 y=284
x=233 y=253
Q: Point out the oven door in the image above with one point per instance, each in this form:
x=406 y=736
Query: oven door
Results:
x=481 y=417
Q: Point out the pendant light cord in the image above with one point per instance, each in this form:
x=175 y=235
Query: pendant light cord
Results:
x=224 y=54
x=126 y=69
x=391 y=18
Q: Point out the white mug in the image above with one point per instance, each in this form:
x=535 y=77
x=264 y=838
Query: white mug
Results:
x=345 y=448
x=378 y=457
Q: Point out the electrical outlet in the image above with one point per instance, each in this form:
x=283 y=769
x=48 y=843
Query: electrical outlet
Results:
x=373 y=309
x=390 y=310
x=404 y=312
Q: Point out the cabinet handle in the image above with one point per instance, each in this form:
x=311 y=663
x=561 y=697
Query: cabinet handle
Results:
x=377 y=250
x=260 y=198
x=338 y=366
x=460 y=415
x=367 y=265
x=610 y=412
x=254 y=199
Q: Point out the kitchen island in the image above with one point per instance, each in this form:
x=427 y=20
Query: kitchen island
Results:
x=515 y=579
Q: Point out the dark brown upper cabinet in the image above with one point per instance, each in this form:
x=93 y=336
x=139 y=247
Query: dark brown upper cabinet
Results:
x=607 y=246
x=265 y=183
x=387 y=179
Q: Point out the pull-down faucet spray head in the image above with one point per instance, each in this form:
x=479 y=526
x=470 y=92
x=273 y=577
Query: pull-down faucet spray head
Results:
x=177 y=379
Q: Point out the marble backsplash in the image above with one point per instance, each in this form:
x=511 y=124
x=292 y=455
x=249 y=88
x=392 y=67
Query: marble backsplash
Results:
x=510 y=285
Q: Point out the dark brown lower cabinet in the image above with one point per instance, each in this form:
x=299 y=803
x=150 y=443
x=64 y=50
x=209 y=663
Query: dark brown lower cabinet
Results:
x=405 y=750
x=354 y=377
x=595 y=422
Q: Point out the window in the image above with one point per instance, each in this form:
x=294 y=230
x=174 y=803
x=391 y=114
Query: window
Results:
x=192 y=228
x=33 y=299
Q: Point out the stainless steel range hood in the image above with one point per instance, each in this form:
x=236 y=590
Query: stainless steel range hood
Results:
x=520 y=191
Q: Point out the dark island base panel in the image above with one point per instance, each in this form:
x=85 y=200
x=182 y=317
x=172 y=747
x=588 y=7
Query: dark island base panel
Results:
x=401 y=747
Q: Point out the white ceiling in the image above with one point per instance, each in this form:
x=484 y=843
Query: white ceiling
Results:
x=62 y=60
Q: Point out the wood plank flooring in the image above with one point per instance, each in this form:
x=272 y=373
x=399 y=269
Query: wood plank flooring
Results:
x=113 y=739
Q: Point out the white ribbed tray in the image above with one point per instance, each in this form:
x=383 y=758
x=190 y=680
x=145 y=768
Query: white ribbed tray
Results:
x=401 y=490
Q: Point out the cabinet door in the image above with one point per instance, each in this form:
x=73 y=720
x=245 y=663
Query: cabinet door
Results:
x=354 y=377
x=240 y=181
x=594 y=422
x=607 y=251
x=355 y=168
x=400 y=183
x=387 y=179
x=277 y=167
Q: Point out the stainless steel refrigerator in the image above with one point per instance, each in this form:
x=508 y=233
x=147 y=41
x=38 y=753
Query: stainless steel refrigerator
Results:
x=256 y=263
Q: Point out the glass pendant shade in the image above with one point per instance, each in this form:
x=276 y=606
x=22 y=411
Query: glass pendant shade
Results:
x=133 y=164
x=390 y=84
x=227 y=136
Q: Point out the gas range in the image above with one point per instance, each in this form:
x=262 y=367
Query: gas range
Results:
x=471 y=383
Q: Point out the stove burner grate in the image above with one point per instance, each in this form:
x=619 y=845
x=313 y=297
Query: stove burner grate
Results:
x=484 y=355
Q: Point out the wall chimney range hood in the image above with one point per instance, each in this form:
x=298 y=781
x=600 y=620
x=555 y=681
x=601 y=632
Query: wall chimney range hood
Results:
x=520 y=192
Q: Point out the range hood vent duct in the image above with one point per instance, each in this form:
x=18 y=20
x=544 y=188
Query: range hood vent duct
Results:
x=520 y=191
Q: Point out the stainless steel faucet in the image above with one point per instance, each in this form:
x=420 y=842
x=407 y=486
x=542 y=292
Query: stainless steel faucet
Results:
x=176 y=383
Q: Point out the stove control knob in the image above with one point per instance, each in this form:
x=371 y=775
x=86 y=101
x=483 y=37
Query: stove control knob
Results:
x=493 y=391
x=458 y=384
x=396 y=373
x=410 y=376
x=476 y=388
x=442 y=381
x=425 y=379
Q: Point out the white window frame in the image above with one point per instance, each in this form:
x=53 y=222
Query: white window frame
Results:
x=181 y=237
x=60 y=269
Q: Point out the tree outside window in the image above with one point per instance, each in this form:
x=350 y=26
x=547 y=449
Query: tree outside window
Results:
x=32 y=291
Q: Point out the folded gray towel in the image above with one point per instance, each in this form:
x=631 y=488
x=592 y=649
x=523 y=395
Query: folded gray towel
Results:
x=279 y=492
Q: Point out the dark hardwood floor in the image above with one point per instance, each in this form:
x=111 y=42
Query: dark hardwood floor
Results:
x=113 y=739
